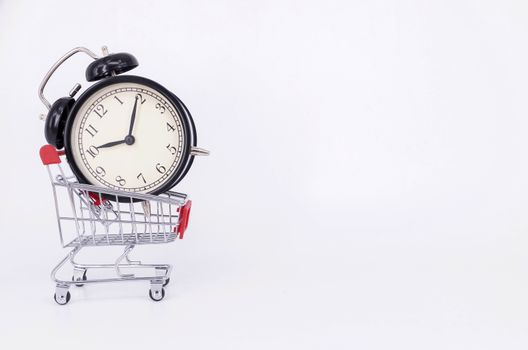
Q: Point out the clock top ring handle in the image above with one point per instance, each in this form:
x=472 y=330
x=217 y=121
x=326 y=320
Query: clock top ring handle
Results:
x=58 y=64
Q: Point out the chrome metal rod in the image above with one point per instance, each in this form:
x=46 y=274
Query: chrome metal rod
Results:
x=57 y=65
x=118 y=261
x=70 y=257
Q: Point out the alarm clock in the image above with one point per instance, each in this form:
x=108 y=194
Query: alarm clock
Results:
x=125 y=132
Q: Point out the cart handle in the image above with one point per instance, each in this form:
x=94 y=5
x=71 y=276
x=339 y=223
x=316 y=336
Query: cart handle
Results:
x=184 y=219
x=49 y=155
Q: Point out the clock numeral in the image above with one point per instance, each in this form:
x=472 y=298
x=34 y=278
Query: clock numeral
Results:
x=160 y=107
x=142 y=177
x=117 y=98
x=120 y=181
x=172 y=149
x=100 y=170
x=93 y=151
x=141 y=99
x=160 y=168
x=91 y=130
x=170 y=127
x=100 y=110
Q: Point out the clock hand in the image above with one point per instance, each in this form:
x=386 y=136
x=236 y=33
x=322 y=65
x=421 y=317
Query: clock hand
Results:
x=110 y=144
x=133 y=118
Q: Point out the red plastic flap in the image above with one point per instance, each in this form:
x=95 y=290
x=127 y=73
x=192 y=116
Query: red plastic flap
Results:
x=184 y=218
x=49 y=155
x=95 y=198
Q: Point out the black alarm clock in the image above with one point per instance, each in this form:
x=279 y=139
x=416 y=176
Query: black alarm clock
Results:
x=125 y=132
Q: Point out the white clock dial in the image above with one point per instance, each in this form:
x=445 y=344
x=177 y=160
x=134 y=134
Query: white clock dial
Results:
x=108 y=155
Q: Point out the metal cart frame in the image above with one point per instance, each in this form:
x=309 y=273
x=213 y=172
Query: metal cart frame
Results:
x=92 y=216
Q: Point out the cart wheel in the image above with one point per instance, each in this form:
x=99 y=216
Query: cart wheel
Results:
x=157 y=295
x=83 y=278
x=62 y=300
x=166 y=282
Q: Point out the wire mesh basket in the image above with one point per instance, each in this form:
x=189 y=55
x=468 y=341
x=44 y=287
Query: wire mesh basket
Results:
x=90 y=215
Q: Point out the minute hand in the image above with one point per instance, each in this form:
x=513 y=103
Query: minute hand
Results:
x=133 y=118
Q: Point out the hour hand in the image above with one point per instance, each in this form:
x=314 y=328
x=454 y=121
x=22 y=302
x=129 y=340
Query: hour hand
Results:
x=110 y=144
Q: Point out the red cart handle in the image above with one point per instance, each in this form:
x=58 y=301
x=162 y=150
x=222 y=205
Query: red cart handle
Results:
x=184 y=218
x=49 y=155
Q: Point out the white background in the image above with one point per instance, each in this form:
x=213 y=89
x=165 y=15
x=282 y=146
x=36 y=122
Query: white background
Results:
x=367 y=187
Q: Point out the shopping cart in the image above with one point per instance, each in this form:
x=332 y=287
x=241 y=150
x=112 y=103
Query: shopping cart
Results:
x=92 y=216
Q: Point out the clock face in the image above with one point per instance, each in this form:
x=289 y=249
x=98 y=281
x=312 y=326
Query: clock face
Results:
x=127 y=136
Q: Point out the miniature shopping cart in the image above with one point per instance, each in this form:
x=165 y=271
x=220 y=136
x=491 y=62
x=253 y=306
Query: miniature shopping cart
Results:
x=92 y=216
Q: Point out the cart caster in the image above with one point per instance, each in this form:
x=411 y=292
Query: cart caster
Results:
x=83 y=278
x=162 y=272
x=62 y=296
x=156 y=291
